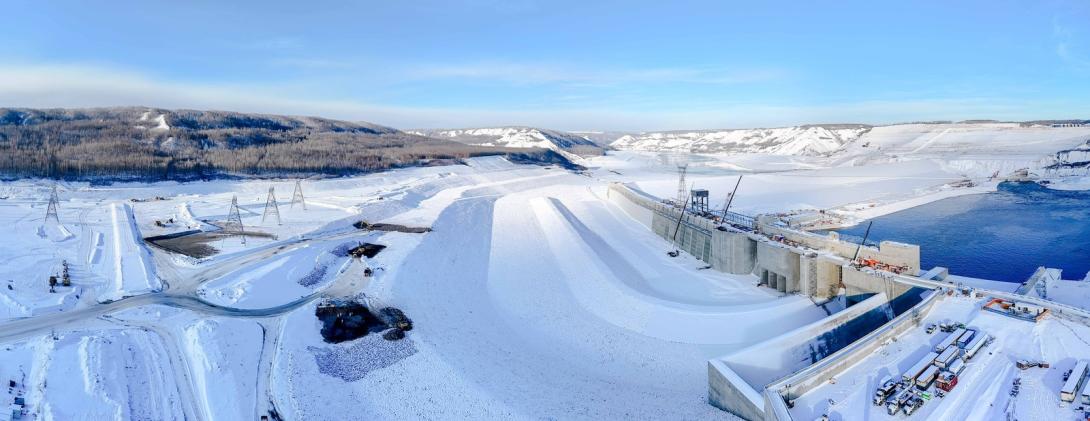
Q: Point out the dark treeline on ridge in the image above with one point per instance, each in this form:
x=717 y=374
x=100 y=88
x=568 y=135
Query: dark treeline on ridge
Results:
x=154 y=144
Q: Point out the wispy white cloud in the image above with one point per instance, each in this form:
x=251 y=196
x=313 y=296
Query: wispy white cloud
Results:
x=43 y=86
x=548 y=73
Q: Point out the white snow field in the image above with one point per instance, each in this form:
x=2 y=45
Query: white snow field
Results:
x=531 y=297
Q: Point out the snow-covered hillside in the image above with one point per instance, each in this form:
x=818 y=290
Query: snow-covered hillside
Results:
x=802 y=140
x=512 y=137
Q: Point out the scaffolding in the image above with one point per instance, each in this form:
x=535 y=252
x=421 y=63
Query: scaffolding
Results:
x=270 y=207
x=297 y=196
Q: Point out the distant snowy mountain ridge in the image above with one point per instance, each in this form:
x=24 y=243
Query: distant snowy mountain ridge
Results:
x=801 y=140
x=512 y=137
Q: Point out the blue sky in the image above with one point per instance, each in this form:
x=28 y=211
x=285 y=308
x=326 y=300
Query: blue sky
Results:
x=573 y=65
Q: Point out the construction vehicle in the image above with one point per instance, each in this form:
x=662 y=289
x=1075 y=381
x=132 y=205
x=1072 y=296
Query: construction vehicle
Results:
x=893 y=405
x=911 y=405
x=886 y=387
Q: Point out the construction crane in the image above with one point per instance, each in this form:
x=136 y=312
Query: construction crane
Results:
x=730 y=199
x=860 y=247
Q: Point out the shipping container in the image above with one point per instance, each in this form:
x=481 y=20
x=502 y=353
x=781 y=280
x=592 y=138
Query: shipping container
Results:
x=956 y=367
x=948 y=356
x=1074 y=382
x=920 y=366
x=977 y=343
x=950 y=339
x=925 y=379
x=965 y=338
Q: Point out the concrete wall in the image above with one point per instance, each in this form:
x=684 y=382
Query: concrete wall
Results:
x=864 y=282
x=777 y=266
x=733 y=252
x=890 y=252
x=796 y=385
x=730 y=393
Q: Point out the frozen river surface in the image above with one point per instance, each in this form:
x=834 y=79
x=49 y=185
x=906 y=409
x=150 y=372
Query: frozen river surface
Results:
x=1002 y=236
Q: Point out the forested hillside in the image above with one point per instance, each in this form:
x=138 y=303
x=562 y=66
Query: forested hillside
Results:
x=143 y=143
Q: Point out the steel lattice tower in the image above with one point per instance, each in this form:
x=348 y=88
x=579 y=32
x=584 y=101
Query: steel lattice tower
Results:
x=51 y=210
x=297 y=195
x=234 y=220
x=270 y=207
x=681 y=196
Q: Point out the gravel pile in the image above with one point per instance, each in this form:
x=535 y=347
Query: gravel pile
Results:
x=351 y=362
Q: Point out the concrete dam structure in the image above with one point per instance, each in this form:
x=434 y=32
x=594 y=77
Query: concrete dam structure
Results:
x=784 y=259
x=791 y=262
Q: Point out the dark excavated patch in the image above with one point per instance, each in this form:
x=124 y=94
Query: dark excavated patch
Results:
x=364 y=225
x=353 y=362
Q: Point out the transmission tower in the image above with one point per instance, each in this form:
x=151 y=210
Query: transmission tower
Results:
x=234 y=220
x=51 y=210
x=297 y=196
x=681 y=196
x=271 y=208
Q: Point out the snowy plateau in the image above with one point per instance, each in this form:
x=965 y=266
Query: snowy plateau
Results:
x=534 y=292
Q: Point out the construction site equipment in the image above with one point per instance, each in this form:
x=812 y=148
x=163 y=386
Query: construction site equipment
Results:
x=1027 y=364
x=270 y=207
x=699 y=201
x=730 y=198
x=1018 y=310
x=65 y=279
x=297 y=196
x=51 y=209
x=914 y=372
x=886 y=387
x=860 y=247
x=893 y=406
x=1074 y=383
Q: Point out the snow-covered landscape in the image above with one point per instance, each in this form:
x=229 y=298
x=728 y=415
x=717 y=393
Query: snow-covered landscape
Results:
x=531 y=294
x=545 y=210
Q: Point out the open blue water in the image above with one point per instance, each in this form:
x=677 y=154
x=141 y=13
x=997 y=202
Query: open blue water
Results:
x=1003 y=235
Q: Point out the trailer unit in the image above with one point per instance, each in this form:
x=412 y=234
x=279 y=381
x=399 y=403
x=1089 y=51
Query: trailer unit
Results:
x=1074 y=382
x=975 y=346
x=948 y=356
x=925 y=379
x=966 y=337
x=949 y=340
x=917 y=369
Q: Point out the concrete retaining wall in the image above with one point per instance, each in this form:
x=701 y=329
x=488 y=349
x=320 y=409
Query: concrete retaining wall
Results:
x=891 y=252
x=805 y=380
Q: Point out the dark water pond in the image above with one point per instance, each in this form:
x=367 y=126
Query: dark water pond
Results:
x=1003 y=235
